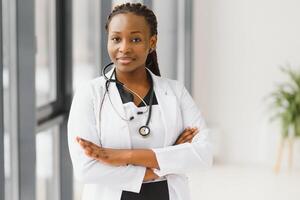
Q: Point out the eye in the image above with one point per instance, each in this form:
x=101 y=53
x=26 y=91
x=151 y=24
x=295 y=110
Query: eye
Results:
x=136 y=40
x=115 y=39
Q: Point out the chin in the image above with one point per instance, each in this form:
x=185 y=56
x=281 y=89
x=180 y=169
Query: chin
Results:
x=126 y=68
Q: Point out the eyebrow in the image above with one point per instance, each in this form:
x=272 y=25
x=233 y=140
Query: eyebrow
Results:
x=132 y=32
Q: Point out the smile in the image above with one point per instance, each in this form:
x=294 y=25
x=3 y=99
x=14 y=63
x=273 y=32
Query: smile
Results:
x=125 y=60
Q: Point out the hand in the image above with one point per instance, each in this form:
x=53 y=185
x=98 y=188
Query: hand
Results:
x=150 y=175
x=187 y=136
x=116 y=157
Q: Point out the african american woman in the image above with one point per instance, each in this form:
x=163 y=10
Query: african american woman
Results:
x=133 y=135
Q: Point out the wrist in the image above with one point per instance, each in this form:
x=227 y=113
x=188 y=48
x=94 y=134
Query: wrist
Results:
x=143 y=157
x=128 y=157
x=150 y=175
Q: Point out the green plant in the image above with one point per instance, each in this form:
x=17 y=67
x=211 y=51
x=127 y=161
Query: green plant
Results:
x=286 y=102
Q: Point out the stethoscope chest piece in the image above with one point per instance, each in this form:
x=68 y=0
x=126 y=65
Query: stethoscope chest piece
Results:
x=144 y=131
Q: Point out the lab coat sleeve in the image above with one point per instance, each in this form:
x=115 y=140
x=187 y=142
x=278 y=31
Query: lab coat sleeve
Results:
x=82 y=123
x=180 y=159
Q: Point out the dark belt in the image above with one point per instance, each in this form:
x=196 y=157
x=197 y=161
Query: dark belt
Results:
x=149 y=191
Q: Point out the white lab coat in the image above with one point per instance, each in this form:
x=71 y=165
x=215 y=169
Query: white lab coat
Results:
x=105 y=182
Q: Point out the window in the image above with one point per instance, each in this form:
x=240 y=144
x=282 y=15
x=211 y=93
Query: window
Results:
x=45 y=60
x=47 y=166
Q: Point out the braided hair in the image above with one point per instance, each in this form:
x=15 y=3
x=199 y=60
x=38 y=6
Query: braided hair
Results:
x=140 y=10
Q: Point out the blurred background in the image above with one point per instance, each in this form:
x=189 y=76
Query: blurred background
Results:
x=227 y=53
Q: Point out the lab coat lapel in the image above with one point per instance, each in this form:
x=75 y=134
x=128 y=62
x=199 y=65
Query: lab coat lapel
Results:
x=115 y=108
x=167 y=103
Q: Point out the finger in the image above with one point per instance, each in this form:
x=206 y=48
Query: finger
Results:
x=194 y=129
x=190 y=134
x=85 y=144
x=185 y=141
x=82 y=144
x=181 y=140
x=185 y=133
x=81 y=140
x=94 y=147
x=182 y=136
x=190 y=137
x=195 y=133
x=187 y=130
x=191 y=128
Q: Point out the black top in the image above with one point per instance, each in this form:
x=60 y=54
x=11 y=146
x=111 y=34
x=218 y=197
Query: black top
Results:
x=128 y=97
x=149 y=191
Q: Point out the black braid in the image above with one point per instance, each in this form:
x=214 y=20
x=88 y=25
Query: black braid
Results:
x=141 y=10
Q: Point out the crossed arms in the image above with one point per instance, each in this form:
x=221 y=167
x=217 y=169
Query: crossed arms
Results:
x=123 y=157
x=126 y=169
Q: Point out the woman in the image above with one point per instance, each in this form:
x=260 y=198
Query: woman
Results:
x=129 y=131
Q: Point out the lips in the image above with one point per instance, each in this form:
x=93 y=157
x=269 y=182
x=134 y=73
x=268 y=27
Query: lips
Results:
x=125 y=60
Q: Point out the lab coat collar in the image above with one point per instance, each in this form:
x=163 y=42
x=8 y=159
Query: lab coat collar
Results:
x=158 y=82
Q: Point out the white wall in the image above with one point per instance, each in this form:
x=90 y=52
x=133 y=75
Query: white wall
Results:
x=165 y=12
x=238 y=47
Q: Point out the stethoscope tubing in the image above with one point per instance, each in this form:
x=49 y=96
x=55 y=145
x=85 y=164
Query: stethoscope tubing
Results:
x=144 y=130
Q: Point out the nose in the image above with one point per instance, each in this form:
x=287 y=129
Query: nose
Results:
x=125 y=47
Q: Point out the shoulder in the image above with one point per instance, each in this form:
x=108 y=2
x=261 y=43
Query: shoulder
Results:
x=90 y=88
x=96 y=83
x=172 y=85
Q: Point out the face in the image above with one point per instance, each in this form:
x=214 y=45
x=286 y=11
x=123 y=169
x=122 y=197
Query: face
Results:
x=129 y=41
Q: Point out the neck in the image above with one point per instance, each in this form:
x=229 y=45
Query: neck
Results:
x=138 y=76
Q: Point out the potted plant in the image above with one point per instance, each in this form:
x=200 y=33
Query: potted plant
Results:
x=286 y=104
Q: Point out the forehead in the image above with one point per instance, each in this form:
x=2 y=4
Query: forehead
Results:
x=128 y=22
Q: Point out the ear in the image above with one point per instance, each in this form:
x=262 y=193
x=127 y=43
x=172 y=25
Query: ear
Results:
x=153 y=41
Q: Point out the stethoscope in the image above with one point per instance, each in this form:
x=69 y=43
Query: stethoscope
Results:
x=143 y=130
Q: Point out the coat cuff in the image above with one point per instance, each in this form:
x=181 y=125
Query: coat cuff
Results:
x=166 y=157
x=135 y=183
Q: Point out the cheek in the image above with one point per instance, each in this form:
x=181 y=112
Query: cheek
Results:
x=111 y=49
x=143 y=51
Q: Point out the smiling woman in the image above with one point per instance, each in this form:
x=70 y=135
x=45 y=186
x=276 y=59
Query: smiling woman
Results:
x=110 y=153
x=129 y=41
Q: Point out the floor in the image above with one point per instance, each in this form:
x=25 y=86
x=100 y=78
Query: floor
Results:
x=229 y=182
x=232 y=182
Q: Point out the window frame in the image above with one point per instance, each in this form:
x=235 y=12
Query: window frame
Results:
x=2 y=175
x=26 y=119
